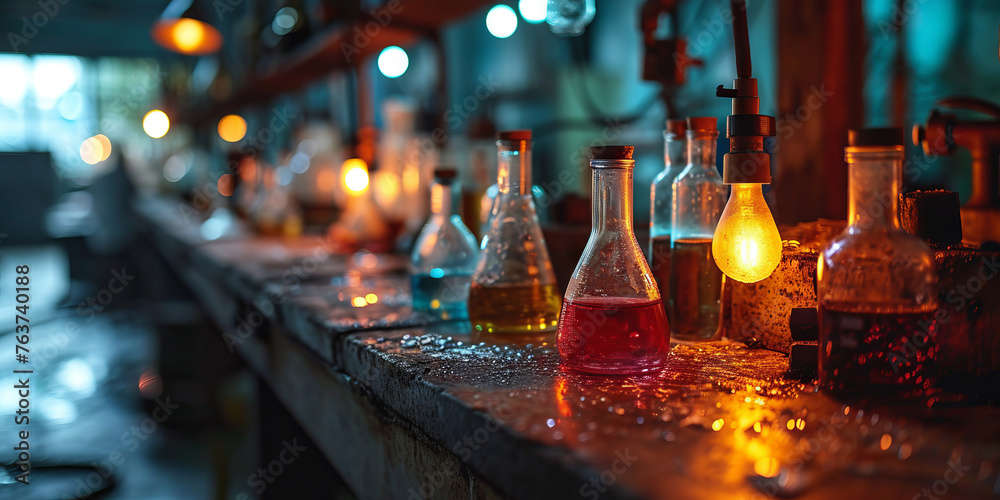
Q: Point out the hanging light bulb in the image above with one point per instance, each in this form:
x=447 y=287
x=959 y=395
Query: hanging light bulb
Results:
x=746 y=245
x=184 y=27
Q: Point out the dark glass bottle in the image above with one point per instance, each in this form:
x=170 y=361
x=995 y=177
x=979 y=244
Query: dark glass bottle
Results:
x=876 y=284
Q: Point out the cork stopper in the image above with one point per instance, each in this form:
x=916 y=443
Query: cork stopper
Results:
x=677 y=127
x=703 y=123
x=891 y=136
x=611 y=152
x=514 y=135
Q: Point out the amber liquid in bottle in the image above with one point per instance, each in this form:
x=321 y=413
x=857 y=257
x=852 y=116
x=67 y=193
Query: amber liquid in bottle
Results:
x=659 y=264
x=514 y=309
x=696 y=284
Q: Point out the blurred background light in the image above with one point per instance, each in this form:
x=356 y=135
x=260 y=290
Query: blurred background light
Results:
x=501 y=21
x=533 y=11
x=355 y=175
x=393 y=61
x=156 y=124
x=284 y=21
x=232 y=128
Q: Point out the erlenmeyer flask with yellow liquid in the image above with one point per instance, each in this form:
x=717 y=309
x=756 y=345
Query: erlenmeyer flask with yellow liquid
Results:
x=514 y=292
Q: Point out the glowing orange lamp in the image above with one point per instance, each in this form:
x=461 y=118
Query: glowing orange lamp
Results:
x=184 y=28
x=746 y=245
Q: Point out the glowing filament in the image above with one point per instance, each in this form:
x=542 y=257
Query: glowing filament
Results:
x=747 y=246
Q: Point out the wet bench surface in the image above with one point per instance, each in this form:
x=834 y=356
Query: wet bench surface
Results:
x=408 y=408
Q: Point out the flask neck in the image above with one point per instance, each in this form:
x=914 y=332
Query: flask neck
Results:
x=701 y=148
x=873 y=184
x=612 y=200
x=514 y=167
x=675 y=150
x=442 y=204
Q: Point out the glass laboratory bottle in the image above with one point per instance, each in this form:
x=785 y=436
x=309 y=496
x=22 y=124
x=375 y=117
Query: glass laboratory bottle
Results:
x=876 y=284
x=514 y=287
x=699 y=200
x=444 y=255
x=613 y=321
x=661 y=200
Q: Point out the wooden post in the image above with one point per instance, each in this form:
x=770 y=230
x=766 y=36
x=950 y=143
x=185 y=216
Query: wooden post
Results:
x=821 y=53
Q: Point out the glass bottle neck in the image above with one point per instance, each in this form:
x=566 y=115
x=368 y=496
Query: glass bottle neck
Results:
x=612 y=203
x=701 y=148
x=441 y=200
x=514 y=167
x=675 y=149
x=873 y=184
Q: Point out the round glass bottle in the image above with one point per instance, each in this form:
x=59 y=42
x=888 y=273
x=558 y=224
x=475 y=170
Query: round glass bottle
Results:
x=514 y=287
x=444 y=255
x=613 y=321
x=876 y=284
x=661 y=208
x=699 y=199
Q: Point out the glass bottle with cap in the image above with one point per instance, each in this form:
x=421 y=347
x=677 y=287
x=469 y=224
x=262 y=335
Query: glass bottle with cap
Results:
x=488 y=203
x=613 y=321
x=699 y=199
x=514 y=290
x=876 y=284
x=661 y=208
x=444 y=256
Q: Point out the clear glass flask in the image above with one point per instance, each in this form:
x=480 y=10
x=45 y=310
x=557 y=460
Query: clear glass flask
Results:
x=613 y=321
x=876 y=284
x=699 y=199
x=661 y=208
x=514 y=288
x=444 y=255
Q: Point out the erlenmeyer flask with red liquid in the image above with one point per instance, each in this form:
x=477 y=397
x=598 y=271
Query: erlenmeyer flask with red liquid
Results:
x=613 y=321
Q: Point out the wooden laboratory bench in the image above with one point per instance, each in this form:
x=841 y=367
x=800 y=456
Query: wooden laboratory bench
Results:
x=404 y=408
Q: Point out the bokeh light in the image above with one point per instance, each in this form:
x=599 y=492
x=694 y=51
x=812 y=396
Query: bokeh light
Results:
x=501 y=21
x=393 y=61
x=232 y=128
x=355 y=175
x=188 y=35
x=95 y=149
x=533 y=11
x=156 y=124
